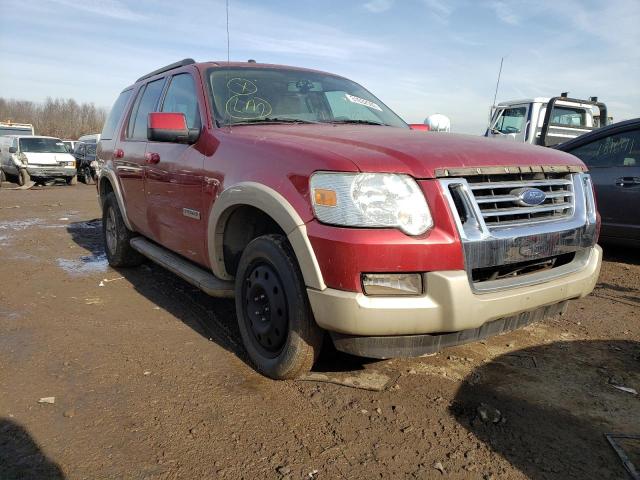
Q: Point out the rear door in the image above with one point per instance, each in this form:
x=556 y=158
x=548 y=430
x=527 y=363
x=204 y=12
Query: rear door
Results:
x=614 y=164
x=174 y=184
x=129 y=153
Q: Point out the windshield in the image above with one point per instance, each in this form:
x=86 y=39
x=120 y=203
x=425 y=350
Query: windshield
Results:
x=254 y=95
x=42 y=145
x=90 y=149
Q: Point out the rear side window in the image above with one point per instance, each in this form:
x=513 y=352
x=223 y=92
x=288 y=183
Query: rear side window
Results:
x=181 y=98
x=114 y=116
x=621 y=150
x=145 y=103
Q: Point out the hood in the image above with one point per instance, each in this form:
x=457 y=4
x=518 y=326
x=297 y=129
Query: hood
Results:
x=36 y=158
x=387 y=149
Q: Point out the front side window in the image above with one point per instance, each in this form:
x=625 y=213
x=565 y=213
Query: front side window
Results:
x=181 y=98
x=620 y=150
x=114 y=115
x=42 y=145
x=511 y=120
x=253 y=95
x=145 y=104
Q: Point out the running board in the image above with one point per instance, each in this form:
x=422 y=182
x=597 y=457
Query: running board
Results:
x=186 y=270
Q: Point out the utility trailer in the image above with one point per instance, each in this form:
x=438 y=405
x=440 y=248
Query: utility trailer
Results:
x=546 y=121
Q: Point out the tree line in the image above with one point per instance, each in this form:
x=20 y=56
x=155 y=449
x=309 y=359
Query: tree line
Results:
x=60 y=117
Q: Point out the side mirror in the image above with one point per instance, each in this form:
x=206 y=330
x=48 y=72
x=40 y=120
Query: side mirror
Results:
x=419 y=126
x=13 y=150
x=170 y=127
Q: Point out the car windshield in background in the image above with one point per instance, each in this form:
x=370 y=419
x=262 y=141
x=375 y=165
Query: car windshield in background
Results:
x=255 y=95
x=42 y=145
x=91 y=149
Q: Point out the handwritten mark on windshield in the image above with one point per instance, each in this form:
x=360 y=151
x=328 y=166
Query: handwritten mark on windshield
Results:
x=244 y=104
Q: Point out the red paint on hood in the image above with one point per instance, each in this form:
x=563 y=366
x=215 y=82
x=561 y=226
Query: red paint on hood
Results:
x=387 y=149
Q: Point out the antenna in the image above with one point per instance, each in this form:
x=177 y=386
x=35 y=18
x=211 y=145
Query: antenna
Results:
x=228 y=56
x=495 y=95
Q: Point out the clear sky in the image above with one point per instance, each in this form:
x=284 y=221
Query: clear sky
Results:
x=418 y=56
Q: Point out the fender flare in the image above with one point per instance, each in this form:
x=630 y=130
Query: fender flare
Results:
x=115 y=186
x=280 y=210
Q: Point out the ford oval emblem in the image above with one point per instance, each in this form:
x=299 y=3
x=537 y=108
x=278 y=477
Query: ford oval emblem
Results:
x=529 y=197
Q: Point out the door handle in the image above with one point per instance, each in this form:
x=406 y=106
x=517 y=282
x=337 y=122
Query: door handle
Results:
x=117 y=153
x=627 y=181
x=151 y=158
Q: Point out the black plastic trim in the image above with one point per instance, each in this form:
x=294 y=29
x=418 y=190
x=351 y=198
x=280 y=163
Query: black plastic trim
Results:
x=416 y=345
x=181 y=63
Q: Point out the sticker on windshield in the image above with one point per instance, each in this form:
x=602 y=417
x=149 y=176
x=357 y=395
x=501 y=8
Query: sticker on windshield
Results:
x=362 y=101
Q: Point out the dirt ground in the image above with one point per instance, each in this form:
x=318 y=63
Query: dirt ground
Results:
x=150 y=379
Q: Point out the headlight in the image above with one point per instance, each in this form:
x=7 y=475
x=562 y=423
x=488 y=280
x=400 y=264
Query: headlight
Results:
x=370 y=200
x=23 y=158
x=71 y=164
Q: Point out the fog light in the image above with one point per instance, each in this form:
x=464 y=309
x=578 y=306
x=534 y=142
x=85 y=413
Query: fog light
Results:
x=392 y=283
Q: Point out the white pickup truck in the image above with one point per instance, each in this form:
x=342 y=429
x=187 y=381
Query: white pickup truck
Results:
x=546 y=121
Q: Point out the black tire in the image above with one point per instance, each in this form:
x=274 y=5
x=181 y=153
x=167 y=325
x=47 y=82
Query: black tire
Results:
x=72 y=180
x=274 y=317
x=23 y=177
x=3 y=177
x=116 y=236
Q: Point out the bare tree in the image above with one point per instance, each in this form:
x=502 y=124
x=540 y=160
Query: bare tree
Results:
x=61 y=118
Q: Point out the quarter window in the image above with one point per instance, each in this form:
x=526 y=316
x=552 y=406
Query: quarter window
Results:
x=145 y=104
x=181 y=98
x=114 y=116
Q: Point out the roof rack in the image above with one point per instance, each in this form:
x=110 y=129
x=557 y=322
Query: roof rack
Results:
x=181 y=63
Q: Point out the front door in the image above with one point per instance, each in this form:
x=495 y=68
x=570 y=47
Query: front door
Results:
x=174 y=179
x=510 y=123
x=614 y=164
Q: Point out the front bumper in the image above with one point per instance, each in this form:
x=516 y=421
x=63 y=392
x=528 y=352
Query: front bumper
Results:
x=449 y=304
x=51 y=172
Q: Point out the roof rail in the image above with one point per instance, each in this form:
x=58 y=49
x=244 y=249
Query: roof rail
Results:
x=181 y=63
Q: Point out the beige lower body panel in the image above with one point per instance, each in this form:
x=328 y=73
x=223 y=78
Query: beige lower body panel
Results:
x=449 y=304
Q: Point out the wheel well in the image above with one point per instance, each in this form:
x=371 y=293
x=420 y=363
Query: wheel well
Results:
x=244 y=224
x=105 y=189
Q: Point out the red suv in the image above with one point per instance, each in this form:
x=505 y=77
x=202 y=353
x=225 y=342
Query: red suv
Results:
x=306 y=198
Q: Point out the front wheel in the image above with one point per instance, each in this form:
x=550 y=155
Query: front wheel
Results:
x=72 y=180
x=23 y=177
x=274 y=317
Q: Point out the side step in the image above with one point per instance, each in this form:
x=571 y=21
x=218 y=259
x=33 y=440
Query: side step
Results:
x=186 y=270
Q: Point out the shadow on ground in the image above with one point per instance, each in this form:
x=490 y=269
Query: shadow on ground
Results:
x=20 y=456
x=213 y=318
x=621 y=253
x=555 y=403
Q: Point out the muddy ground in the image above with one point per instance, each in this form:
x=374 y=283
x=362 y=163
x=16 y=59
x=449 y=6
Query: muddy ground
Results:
x=150 y=379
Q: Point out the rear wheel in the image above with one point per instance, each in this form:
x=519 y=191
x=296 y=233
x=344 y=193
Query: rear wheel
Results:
x=23 y=177
x=117 y=236
x=274 y=317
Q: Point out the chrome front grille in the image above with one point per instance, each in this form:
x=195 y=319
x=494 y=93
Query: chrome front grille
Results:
x=497 y=197
x=505 y=241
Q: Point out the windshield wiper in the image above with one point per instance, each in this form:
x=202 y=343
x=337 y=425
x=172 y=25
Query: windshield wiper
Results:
x=360 y=122
x=270 y=120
